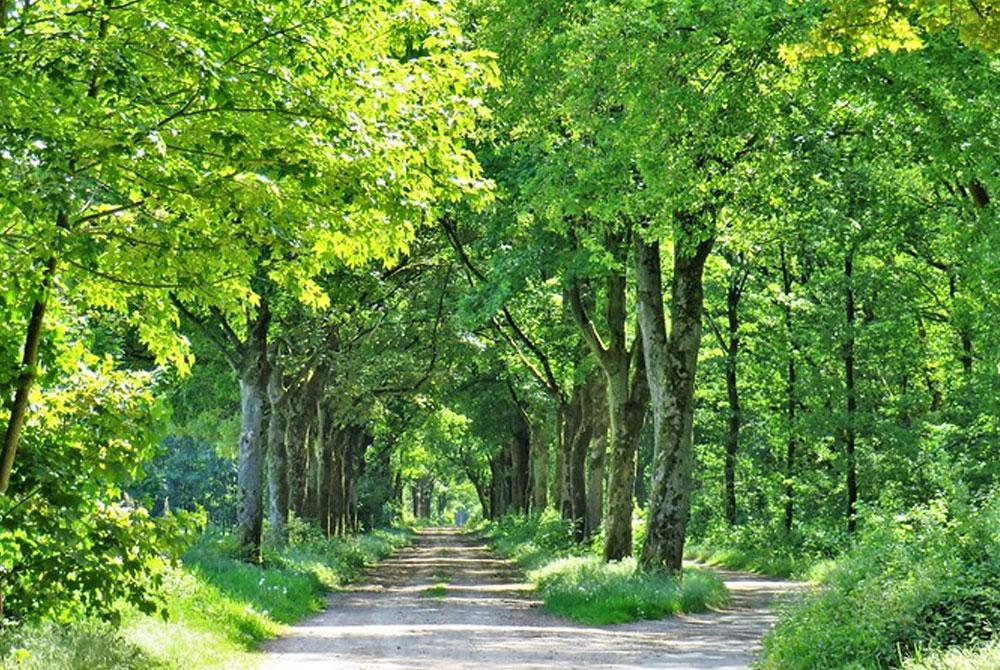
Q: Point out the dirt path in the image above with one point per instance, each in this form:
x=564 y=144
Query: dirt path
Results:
x=488 y=619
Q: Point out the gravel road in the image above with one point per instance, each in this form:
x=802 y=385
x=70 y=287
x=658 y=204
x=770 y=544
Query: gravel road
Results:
x=488 y=618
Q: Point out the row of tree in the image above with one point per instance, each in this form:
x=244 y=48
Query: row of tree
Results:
x=414 y=244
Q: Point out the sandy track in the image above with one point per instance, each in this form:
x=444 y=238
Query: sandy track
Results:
x=488 y=619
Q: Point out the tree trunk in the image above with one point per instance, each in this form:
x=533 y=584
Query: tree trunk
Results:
x=521 y=464
x=253 y=377
x=250 y=466
x=597 y=455
x=733 y=395
x=625 y=396
x=277 y=454
x=539 y=467
x=671 y=365
x=850 y=435
x=791 y=401
x=577 y=479
x=624 y=437
x=29 y=368
x=324 y=442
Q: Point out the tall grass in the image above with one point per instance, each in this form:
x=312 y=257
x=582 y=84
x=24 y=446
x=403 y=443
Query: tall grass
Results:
x=985 y=657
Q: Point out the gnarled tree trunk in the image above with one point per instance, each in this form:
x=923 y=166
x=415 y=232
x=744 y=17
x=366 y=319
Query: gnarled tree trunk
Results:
x=671 y=364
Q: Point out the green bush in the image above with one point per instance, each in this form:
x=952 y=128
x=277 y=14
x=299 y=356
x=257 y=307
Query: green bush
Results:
x=766 y=549
x=71 y=543
x=533 y=539
x=924 y=580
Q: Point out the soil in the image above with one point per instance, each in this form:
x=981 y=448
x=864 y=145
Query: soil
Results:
x=488 y=618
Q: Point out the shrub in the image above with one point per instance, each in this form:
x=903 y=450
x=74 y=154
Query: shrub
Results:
x=924 y=580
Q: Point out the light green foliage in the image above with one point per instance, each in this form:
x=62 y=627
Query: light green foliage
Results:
x=924 y=580
x=70 y=542
x=866 y=27
x=236 y=136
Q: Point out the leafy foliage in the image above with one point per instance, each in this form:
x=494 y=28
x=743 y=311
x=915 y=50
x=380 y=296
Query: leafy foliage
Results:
x=936 y=572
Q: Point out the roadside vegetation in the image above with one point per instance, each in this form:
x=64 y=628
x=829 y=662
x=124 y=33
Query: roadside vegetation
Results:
x=911 y=585
x=216 y=608
x=575 y=583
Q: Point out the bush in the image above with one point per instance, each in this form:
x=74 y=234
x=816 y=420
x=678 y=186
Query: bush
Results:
x=533 y=539
x=925 y=580
x=71 y=543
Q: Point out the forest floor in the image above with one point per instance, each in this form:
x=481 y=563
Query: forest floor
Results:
x=448 y=602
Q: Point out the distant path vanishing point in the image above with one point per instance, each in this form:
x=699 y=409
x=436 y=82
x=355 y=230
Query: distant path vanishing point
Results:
x=489 y=619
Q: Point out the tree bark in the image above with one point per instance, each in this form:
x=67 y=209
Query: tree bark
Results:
x=791 y=394
x=671 y=366
x=578 y=458
x=253 y=374
x=621 y=366
x=539 y=468
x=277 y=454
x=850 y=433
x=596 y=458
x=733 y=395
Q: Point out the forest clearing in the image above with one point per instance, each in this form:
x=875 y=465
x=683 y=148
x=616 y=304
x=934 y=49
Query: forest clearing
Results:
x=443 y=333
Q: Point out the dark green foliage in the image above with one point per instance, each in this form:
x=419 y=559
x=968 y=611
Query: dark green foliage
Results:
x=189 y=474
x=71 y=543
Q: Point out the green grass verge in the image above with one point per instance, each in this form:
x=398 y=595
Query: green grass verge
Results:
x=760 y=561
x=576 y=584
x=218 y=610
x=587 y=590
x=978 y=658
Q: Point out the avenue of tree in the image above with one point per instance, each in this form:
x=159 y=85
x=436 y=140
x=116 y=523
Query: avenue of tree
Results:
x=735 y=265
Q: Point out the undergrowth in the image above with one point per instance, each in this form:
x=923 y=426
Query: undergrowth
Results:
x=217 y=609
x=912 y=584
x=576 y=584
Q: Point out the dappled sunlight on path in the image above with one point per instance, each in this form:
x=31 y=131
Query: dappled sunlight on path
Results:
x=486 y=616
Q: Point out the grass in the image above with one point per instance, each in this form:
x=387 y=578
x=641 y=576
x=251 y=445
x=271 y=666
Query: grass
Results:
x=576 y=584
x=978 y=658
x=587 y=590
x=760 y=561
x=218 y=610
